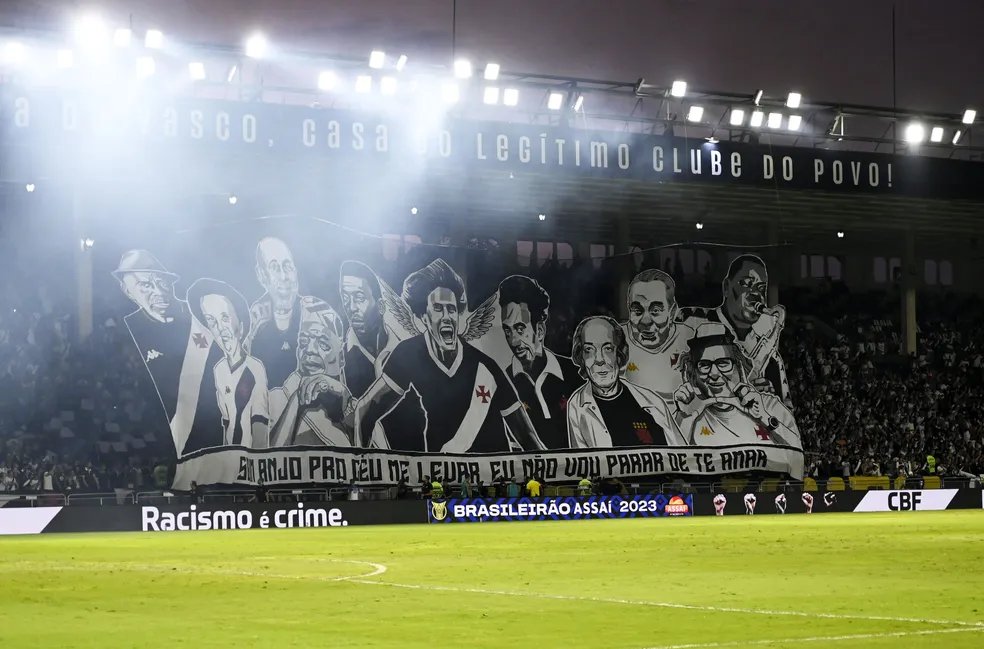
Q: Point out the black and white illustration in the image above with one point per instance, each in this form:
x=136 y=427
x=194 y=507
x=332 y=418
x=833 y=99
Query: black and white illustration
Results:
x=400 y=378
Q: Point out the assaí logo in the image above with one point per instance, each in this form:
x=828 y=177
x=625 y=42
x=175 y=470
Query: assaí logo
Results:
x=677 y=506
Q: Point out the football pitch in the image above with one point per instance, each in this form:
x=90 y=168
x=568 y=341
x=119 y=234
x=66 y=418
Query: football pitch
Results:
x=831 y=580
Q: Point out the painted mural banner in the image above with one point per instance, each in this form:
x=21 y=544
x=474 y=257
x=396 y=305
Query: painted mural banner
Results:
x=353 y=379
x=330 y=138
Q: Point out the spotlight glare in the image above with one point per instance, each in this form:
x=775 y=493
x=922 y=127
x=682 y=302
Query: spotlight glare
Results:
x=695 y=114
x=256 y=46
x=542 y=217
x=679 y=88
x=91 y=33
x=462 y=68
x=145 y=67
x=756 y=119
x=579 y=103
x=401 y=63
x=154 y=39
x=840 y=234
x=793 y=100
x=377 y=58
x=30 y=188
x=413 y=210
x=491 y=95
x=737 y=117
x=326 y=80
x=491 y=71
x=758 y=96
x=775 y=120
x=795 y=121
x=936 y=135
x=363 y=83
x=232 y=73
x=555 y=101
x=449 y=93
x=122 y=37
x=915 y=133
x=233 y=199
x=956 y=137
x=969 y=116
x=387 y=85
x=699 y=225
x=14 y=53
x=510 y=96
x=65 y=59
x=196 y=70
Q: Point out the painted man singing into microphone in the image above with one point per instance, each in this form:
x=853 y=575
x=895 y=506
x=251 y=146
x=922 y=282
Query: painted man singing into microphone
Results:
x=754 y=326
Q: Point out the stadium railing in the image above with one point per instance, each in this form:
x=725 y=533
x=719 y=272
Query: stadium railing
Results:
x=120 y=497
x=32 y=500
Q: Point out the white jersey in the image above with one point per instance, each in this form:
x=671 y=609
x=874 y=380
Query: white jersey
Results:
x=659 y=369
x=243 y=400
x=724 y=425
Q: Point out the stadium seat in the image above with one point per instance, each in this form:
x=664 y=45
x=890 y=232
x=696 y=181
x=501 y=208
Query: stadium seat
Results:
x=866 y=482
x=769 y=485
x=932 y=482
x=565 y=491
x=734 y=484
x=835 y=484
x=809 y=484
x=551 y=491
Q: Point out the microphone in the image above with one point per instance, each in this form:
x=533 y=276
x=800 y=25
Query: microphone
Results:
x=760 y=307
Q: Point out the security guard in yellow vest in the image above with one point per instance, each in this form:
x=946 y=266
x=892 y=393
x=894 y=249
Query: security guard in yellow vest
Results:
x=930 y=465
x=584 y=487
x=437 y=489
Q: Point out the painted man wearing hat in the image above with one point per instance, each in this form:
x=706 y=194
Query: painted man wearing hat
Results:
x=609 y=411
x=310 y=408
x=716 y=405
x=240 y=379
x=175 y=349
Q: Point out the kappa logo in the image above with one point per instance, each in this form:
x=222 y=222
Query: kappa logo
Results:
x=632 y=367
x=285 y=347
x=152 y=354
x=483 y=394
x=439 y=510
x=704 y=430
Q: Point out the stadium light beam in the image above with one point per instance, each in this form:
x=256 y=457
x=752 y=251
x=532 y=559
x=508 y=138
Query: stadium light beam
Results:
x=450 y=93
x=65 y=59
x=793 y=100
x=154 y=39
x=679 y=88
x=377 y=58
x=363 y=84
x=327 y=80
x=775 y=120
x=737 y=117
x=936 y=135
x=145 y=67
x=695 y=114
x=491 y=71
x=196 y=70
x=91 y=33
x=969 y=116
x=795 y=121
x=555 y=100
x=257 y=46
x=756 y=119
x=510 y=96
x=462 y=68
x=915 y=133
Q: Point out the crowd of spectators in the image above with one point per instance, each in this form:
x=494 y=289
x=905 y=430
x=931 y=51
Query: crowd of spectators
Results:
x=80 y=415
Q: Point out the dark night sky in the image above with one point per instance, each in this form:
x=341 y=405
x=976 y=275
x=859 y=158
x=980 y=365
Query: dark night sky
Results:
x=831 y=50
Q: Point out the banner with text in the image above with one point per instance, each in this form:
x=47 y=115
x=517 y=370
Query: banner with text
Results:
x=570 y=508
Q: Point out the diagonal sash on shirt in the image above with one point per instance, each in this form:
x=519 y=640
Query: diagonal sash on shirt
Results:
x=478 y=410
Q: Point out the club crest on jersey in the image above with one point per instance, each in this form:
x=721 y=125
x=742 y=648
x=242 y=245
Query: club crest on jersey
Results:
x=439 y=510
x=632 y=367
x=704 y=430
x=483 y=393
x=674 y=359
x=200 y=340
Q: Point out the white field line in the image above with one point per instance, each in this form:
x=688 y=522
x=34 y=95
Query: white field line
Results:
x=828 y=638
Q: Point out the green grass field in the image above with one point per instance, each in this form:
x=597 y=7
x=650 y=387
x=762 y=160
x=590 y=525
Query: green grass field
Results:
x=832 y=580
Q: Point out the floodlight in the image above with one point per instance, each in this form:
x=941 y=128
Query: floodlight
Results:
x=30 y=188
x=491 y=71
x=775 y=120
x=449 y=93
x=915 y=133
x=679 y=88
x=196 y=70
x=795 y=121
x=956 y=137
x=256 y=46
x=510 y=96
x=936 y=135
x=387 y=85
x=363 y=83
x=401 y=63
x=758 y=96
x=969 y=116
x=840 y=234
x=491 y=95
x=695 y=114
x=14 y=53
x=462 y=68
x=794 y=99
x=327 y=80
x=145 y=67
x=377 y=58
x=579 y=103
x=737 y=117
x=154 y=39
x=555 y=101
x=90 y=32
x=756 y=119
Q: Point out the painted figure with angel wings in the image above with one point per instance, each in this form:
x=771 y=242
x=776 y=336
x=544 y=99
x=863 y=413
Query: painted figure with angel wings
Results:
x=468 y=401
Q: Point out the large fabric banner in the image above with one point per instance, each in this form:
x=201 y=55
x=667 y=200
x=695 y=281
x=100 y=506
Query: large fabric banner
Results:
x=363 y=380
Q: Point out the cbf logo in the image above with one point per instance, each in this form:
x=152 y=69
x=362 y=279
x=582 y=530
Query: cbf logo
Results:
x=439 y=510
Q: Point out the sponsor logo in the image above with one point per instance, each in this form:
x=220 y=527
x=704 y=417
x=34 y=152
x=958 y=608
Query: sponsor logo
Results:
x=152 y=519
x=153 y=354
x=677 y=507
x=906 y=500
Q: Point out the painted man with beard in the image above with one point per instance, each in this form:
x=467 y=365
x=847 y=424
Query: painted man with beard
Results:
x=716 y=406
x=755 y=327
x=276 y=315
x=240 y=379
x=466 y=397
x=608 y=411
x=310 y=408
x=175 y=348
x=543 y=380
x=656 y=340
